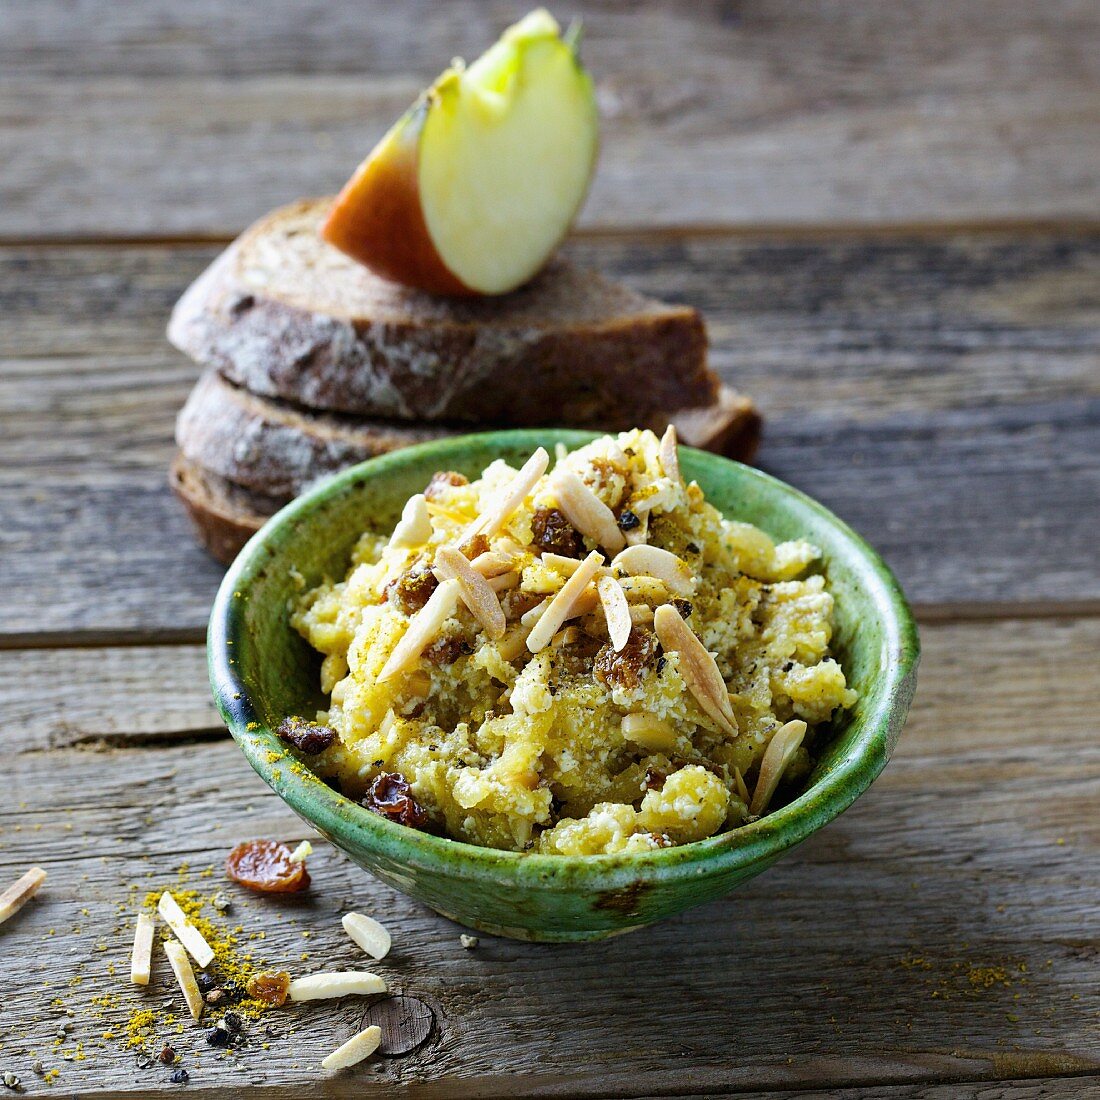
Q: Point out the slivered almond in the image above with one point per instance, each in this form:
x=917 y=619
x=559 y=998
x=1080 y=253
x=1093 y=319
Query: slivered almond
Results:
x=697 y=666
x=586 y=512
x=20 y=892
x=367 y=933
x=652 y=561
x=670 y=459
x=532 y=616
x=641 y=613
x=185 y=976
x=476 y=594
x=355 y=1049
x=514 y=642
x=414 y=528
x=301 y=853
x=777 y=756
x=616 y=610
x=141 y=959
x=503 y=582
x=561 y=563
x=566 y=636
x=423 y=628
x=492 y=563
x=185 y=931
x=742 y=789
x=649 y=731
x=497 y=514
x=561 y=606
x=337 y=983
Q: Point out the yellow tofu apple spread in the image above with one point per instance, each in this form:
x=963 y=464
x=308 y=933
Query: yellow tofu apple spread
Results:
x=582 y=661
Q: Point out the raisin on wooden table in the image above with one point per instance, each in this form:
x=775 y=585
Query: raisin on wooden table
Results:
x=266 y=867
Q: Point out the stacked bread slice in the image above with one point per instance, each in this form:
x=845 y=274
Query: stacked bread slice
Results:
x=313 y=364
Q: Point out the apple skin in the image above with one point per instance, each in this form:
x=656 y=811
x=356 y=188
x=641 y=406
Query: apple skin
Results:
x=377 y=218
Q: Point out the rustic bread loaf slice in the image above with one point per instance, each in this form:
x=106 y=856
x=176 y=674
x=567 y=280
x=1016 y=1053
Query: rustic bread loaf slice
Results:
x=275 y=449
x=224 y=516
x=285 y=315
x=278 y=449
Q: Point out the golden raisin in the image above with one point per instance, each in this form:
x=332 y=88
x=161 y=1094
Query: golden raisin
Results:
x=441 y=481
x=307 y=737
x=551 y=532
x=266 y=867
x=412 y=590
x=624 y=669
x=269 y=986
x=474 y=546
x=391 y=796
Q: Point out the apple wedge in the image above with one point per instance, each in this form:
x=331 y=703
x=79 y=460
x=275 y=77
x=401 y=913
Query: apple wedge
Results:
x=474 y=187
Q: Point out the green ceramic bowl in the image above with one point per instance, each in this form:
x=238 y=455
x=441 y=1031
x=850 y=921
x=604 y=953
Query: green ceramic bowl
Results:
x=261 y=670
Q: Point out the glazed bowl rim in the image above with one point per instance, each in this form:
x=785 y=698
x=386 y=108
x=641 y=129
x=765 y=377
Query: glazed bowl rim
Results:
x=339 y=817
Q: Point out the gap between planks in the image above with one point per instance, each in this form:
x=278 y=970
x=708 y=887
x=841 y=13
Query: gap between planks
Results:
x=780 y=231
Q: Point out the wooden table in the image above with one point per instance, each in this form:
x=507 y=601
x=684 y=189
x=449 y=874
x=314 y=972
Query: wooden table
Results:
x=888 y=215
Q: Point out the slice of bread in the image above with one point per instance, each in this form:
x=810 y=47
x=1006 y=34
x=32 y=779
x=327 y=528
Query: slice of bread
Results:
x=225 y=516
x=285 y=315
x=275 y=449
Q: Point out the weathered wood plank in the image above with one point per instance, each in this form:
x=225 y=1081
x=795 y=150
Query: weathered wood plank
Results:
x=977 y=512
x=713 y=114
x=847 y=323
x=960 y=472
x=976 y=681
x=944 y=929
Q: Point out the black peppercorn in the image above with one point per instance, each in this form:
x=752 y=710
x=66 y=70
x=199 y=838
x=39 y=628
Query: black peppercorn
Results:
x=628 y=520
x=218 y=1036
x=233 y=1021
x=180 y=1077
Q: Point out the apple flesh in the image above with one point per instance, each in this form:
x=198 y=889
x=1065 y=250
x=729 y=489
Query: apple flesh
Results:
x=473 y=189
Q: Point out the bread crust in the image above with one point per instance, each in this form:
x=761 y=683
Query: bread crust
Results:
x=274 y=448
x=287 y=316
x=277 y=450
x=222 y=518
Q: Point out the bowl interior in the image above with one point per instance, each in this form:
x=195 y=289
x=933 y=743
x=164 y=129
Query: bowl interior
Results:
x=262 y=670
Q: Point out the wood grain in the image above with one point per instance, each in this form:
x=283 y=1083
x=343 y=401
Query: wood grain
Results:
x=976 y=680
x=845 y=327
x=854 y=961
x=166 y=118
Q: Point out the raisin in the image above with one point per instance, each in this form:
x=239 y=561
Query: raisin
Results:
x=517 y=603
x=445 y=651
x=552 y=532
x=441 y=481
x=412 y=590
x=391 y=796
x=624 y=669
x=628 y=520
x=684 y=607
x=167 y=1055
x=265 y=866
x=307 y=737
x=269 y=987
x=474 y=546
x=655 y=779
